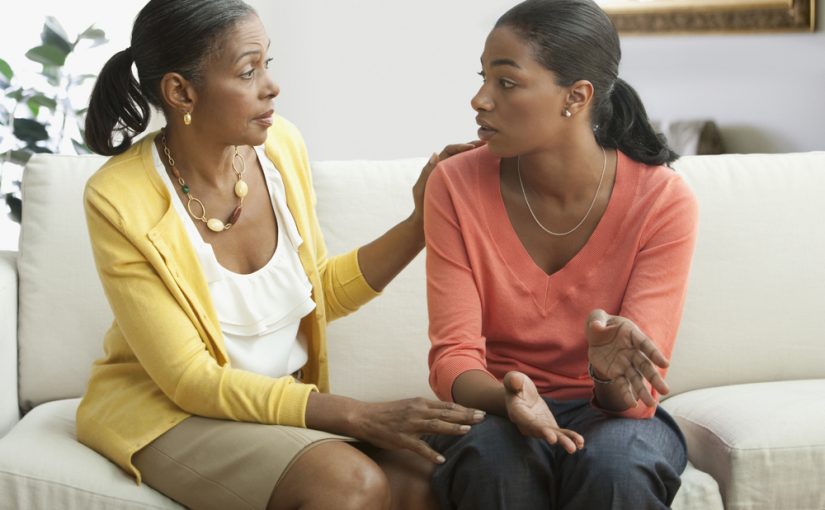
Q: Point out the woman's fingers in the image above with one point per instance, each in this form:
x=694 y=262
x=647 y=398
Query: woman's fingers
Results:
x=457 y=148
x=421 y=447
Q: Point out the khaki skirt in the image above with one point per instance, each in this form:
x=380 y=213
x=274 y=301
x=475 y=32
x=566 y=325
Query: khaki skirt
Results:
x=204 y=463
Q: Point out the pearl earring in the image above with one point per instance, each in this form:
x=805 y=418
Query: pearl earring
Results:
x=566 y=112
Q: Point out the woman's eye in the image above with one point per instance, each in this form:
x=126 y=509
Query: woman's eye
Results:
x=248 y=75
x=483 y=76
x=267 y=62
x=506 y=84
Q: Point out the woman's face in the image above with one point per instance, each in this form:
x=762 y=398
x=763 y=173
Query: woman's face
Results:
x=235 y=101
x=519 y=104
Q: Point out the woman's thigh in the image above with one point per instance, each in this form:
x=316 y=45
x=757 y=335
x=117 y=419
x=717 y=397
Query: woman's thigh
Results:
x=208 y=463
x=626 y=463
x=493 y=467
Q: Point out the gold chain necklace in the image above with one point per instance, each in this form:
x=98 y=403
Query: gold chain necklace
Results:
x=580 y=223
x=241 y=190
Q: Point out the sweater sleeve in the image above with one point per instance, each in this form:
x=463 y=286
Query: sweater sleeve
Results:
x=655 y=293
x=162 y=335
x=453 y=297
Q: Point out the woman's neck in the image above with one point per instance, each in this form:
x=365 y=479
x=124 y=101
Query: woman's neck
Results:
x=196 y=157
x=568 y=174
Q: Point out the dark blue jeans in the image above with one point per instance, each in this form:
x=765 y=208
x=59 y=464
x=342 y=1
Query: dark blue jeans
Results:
x=625 y=464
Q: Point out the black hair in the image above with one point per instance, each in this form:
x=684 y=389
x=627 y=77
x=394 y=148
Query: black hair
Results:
x=577 y=41
x=168 y=36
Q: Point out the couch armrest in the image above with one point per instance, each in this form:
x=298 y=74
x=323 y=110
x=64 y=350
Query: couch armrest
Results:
x=9 y=407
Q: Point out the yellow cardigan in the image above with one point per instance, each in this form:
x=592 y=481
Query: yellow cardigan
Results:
x=164 y=357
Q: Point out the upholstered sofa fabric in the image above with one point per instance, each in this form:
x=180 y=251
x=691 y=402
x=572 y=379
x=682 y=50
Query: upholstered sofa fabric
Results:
x=764 y=443
x=756 y=291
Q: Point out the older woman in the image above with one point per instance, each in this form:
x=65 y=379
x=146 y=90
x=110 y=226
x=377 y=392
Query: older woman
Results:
x=557 y=260
x=213 y=385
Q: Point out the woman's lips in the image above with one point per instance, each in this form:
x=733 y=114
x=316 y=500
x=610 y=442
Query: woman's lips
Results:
x=485 y=133
x=265 y=119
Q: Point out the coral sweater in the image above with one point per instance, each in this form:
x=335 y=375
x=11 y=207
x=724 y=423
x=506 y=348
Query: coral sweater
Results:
x=493 y=309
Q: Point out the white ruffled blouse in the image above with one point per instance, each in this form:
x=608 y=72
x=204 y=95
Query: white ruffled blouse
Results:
x=259 y=313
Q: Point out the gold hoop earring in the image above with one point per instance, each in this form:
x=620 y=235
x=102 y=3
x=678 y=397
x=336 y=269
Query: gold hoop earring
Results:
x=187 y=118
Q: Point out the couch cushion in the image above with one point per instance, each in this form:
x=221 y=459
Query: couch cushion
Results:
x=380 y=352
x=757 y=283
x=63 y=312
x=43 y=466
x=764 y=443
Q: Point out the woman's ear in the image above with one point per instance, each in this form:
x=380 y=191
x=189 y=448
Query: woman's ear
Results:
x=579 y=96
x=177 y=93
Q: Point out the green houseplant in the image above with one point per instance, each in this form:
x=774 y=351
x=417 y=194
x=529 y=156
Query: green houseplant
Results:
x=37 y=114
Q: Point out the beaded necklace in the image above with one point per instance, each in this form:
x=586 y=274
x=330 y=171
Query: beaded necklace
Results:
x=241 y=190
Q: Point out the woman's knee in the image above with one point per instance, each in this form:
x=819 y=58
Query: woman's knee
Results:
x=493 y=463
x=333 y=475
x=636 y=463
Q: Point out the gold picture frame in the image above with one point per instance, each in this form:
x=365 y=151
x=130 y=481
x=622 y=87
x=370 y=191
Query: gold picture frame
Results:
x=710 y=16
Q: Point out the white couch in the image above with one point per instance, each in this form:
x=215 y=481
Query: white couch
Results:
x=748 y=373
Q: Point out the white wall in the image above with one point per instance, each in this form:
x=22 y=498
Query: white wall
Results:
x=386 y=78
x=383 y=79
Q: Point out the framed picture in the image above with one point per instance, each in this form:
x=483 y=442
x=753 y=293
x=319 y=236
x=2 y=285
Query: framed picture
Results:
x=710 y=16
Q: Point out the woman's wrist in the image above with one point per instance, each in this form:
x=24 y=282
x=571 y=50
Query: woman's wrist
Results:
x=414 y=223
x=334 y=413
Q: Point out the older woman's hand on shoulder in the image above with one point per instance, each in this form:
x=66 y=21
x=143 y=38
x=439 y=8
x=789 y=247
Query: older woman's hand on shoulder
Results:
x=421 y=183
x=621 y=359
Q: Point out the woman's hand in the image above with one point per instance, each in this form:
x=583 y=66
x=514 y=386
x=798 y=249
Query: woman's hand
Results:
x=421 y=183
x=400 y=424
x=618 y=350
x=529 y=412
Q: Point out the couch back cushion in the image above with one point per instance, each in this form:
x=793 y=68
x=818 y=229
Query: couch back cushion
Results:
x=379 y=353
x=63 y=313
x=757 y=285
x=756 y=291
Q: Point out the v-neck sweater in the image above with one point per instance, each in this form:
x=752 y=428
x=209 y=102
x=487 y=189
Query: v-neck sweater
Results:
x=492 y=308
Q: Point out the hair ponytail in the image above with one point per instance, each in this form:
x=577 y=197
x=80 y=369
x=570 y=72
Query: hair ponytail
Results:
x=168 y=36
x=116 y=106
x=625 y=126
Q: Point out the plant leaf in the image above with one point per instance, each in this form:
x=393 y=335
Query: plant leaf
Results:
x=96 y=35
x=38 y=149
x=48 y=55
x=33 y=107
x=21 y=157
x=52 y=73
x=54 y=35
x=17 y=95
x=5 y=69
x=43 y=100
x=29 y=130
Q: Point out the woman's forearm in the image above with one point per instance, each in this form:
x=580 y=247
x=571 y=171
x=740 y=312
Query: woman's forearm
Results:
x=478 y=390
x=382 y=259
x=332 y=413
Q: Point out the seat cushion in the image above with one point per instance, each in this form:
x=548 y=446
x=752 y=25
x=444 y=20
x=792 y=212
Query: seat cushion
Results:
x=699 y=491
x=764 y=443
x=43 y=466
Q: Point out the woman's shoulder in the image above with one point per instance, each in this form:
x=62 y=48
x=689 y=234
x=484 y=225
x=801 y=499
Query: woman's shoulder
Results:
x=467 y=168
x=124 y=171
x=657 y=181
